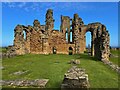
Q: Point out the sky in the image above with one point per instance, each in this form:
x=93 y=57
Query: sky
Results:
x=24 y=13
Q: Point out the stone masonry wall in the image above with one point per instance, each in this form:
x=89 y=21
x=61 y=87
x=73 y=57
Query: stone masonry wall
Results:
x=58 y=41
x=43 y=39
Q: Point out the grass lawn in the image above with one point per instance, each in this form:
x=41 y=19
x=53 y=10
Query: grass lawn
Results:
x=3 y=49
x=115 y=60
x=53 y=67
x=115 y=52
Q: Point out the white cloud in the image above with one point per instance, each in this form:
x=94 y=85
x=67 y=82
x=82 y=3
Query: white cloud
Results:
x=10 y=4
x=32 y=6
x=38 y=6
x=60 y=0
x=21 y=5
x=26 y=9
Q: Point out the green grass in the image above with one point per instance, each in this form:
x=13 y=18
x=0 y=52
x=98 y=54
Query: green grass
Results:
x=115 y=52
x=115 y=60
x=53 y=67
x=3 y=49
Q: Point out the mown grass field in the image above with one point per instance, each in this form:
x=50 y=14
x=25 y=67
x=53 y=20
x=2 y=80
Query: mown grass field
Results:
x=3 y=49
x=115 y=60
x=53 y=67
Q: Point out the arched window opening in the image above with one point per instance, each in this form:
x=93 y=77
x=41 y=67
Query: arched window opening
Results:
x=70 y=37
x=66 y=35
x=24 y=35
x=88 y=42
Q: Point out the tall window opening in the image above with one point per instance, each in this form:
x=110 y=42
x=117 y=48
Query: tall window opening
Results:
x=88 y=42
x=66 y=35
x=71 y=37
x=24 y=35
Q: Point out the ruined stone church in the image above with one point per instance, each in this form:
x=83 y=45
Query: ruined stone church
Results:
x=43 y=39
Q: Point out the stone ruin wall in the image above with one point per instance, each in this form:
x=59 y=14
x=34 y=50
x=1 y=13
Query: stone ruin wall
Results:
x=58 y=41
x=78 y=40
x=21 y=45
x=41 y=39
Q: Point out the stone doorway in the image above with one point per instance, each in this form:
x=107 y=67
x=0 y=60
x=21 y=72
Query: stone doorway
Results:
x=88 y=39
x=70 y=51
x=54 y=50
x=89 y=48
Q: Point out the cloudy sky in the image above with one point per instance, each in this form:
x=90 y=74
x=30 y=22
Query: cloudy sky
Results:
x=14 y=13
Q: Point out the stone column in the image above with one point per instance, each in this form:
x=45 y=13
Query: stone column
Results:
x=75 y=26
x=69 y=35
x=105 y=50
x=28 y=34
x=93 y=34
x=19 y=42
x=49 y=21
x=97 y=42
x=65 y=26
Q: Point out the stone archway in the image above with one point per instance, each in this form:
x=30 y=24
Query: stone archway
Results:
x=22 y=39
x=91 y=30
x=54 y=50
x=88 y=42
x=99 y=41
x=70 y=50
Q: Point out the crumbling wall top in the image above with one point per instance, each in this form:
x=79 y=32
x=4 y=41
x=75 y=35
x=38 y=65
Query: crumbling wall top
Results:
x=36 y=23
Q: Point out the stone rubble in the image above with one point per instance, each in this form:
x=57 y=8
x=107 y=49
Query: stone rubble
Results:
x=77 y=62
x=2 y=68
x=10 y=53
x=25 y=83
x=75 y=78
x=113 y=66
x=20 y=72
x=112 y=55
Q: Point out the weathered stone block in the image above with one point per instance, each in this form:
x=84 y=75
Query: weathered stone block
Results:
x=74 y=62
x=75 y=78
x=41 y=83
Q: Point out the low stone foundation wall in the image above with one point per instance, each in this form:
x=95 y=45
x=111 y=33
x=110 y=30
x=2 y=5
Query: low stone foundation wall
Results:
x=41 y=83
x=76 y=62
x=10 y=53
x=75 y=78
x=113 y=66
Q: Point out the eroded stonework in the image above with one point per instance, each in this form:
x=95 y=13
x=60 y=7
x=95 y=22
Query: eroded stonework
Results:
x=75 y=78
x=43 y=39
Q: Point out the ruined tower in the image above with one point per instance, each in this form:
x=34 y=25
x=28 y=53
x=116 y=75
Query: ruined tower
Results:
x=65 y=27
x=36 y=25
x=49 y=21
x=76 y=23
x=102 y=49
x=22 y=39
